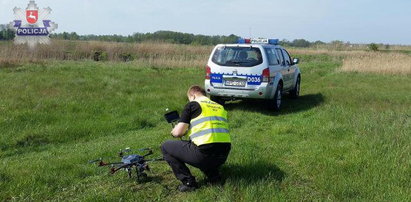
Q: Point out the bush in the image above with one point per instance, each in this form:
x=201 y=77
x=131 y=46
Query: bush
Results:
x=302 y=43
x=126 y=57
x=373 y=47
x=387 y=47
x=100 y=56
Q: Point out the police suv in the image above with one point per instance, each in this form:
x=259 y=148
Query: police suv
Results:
x=252 y=68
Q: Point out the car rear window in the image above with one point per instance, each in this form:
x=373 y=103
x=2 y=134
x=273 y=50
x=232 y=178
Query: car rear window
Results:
x=237 y=56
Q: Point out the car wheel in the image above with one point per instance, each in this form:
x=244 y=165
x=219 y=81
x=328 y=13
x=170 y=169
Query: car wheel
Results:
x=296 y=91
x=278 y=97
x=217 y=99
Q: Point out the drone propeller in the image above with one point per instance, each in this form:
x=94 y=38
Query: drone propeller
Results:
x=130 y=150
x=94 y=161
x=122 y=151
x=100 y=162
x=127 y=150
x=157 y=159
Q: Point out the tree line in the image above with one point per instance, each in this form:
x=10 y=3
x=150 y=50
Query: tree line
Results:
x=162 y=36
x=6 y=33
x=174 y=37
x=170 y=37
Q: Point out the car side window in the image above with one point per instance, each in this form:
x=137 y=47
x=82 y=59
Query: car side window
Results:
x=272 y=56
x=280 y=55
x=223 y=54
x=287 y=57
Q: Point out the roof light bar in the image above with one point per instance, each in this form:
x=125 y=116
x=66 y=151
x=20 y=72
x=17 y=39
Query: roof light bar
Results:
x=258 y=41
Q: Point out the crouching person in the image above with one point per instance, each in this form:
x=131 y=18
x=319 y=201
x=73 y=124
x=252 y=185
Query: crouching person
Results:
x=205 y=123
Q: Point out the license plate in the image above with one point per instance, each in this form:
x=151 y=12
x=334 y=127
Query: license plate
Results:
x=235 y=83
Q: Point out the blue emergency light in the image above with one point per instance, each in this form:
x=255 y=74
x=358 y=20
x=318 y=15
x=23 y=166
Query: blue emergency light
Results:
x=273 y=41
x=258 y=41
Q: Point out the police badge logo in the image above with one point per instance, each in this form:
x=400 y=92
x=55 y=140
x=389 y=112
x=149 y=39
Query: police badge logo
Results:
x=32 y=26
x=32 y=16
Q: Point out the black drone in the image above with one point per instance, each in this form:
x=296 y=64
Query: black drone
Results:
x=128 y=162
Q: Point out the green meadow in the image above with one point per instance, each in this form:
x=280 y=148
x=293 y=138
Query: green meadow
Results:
x=347 y=138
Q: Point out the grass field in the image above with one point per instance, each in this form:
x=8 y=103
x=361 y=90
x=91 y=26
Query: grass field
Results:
x=346 y=138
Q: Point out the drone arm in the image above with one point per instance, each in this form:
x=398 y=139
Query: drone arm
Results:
x=108 y=164
x=114 y=170
x=157 y=159
x=149 y=153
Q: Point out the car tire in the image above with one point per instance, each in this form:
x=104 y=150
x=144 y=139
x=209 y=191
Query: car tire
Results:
x=278 y=97
x=296 y=91
x=217 y=99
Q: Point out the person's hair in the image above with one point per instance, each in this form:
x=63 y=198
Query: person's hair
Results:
x=196 y=89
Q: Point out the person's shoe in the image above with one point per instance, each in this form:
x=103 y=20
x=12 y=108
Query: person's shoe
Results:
x=187 y=187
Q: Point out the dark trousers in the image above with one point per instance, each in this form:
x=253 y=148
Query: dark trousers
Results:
x=179 y=152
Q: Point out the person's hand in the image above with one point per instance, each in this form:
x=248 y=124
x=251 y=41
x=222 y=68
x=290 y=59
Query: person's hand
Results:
x=172 y=132
x=179 y=130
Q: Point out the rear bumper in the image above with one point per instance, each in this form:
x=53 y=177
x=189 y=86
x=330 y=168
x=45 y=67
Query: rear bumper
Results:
x=259 y=92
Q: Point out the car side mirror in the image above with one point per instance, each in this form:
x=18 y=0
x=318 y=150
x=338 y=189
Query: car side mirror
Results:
x=296 y=60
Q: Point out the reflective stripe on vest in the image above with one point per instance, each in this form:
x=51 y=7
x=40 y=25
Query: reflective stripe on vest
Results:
x=212 y=130
x=210 y=118
x=211 y=125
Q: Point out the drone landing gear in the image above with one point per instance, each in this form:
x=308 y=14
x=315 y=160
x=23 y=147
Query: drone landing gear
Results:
x=129 y=173
x=141 y=176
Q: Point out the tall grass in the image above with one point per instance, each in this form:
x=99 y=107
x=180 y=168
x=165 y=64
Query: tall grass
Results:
x=376 y=62
x=358 y=47
x=156 y=54
x=382 y=62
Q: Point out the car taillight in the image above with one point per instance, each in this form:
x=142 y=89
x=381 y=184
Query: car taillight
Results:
x=266 y=75
x=208 y=72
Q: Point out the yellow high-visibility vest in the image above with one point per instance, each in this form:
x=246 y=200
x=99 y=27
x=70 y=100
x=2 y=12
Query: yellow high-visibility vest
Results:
x=211 y=125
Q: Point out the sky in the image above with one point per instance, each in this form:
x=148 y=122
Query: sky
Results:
x=355 y=21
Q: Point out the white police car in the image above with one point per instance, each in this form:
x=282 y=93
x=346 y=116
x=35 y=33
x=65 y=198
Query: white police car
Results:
x=252 y=68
